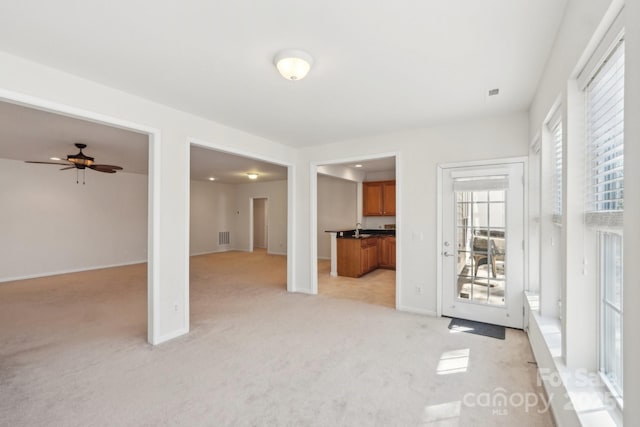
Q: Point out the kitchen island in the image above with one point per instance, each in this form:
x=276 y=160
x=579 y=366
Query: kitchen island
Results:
x=355 y=254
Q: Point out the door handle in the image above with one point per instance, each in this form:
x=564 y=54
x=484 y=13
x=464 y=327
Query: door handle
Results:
x=445 y=253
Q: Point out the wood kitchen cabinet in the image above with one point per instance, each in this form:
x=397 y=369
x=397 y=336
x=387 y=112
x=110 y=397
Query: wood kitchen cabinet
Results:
x=357 y=257
x=379 y=198
x=387 y=252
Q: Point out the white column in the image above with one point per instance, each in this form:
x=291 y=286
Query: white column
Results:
x=334 y=254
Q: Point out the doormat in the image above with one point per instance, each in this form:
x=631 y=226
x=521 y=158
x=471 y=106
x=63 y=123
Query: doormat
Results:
x=478 y=328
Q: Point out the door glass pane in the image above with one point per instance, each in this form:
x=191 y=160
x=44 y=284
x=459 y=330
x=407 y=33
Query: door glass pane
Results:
x=496 y=196
x=496 y=215
x=481 y=249
x=481 y=214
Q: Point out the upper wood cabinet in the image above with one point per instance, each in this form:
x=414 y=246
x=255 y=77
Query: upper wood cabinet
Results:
x=379 y=198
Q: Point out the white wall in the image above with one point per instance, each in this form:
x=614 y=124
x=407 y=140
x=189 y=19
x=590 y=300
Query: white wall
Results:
x=49 y=224
x=420 y=151
x=212 y=210
x=580 y=21
x=631 y=215
x=576 y=38
x=577 y=33
x=380 y=176
x=20 y=78
x=276 y=192
x=337 y=209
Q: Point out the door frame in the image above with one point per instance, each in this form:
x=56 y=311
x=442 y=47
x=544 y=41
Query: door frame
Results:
x=154 y=181
x=313 y=215
x=251 y=219
x=292 y=286
x=440 y=179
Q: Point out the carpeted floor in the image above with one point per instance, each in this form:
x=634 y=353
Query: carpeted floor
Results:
x=72 y=353
x=377 y=287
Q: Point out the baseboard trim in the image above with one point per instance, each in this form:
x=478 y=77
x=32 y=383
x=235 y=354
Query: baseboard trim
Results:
x=170 y=336
x=73 y=270
x=210 y=252
x=277 y=253
x=416 y=310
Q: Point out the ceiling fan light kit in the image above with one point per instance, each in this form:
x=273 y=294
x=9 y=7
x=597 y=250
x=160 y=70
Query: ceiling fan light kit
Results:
x=80 y=161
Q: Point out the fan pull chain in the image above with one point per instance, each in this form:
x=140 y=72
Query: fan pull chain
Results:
x=84 y=174
x=77 y=182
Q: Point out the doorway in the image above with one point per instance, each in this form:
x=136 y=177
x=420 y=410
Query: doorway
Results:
x=260 y=223
x=482 y=243
x=337 y=210
x=236 y=202
x=46 y=254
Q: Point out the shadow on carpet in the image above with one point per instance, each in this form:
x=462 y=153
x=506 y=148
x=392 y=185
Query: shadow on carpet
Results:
x=477 y=328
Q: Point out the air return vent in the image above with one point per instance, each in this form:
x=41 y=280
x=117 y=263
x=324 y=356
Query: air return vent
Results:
x=223 y=238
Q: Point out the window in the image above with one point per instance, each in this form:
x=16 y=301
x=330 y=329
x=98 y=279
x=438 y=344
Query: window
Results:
x=605 y=136
x=611 y=309
x=555 y=128
x=605 y=203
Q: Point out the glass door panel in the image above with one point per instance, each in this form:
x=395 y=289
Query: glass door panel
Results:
x=480 y=242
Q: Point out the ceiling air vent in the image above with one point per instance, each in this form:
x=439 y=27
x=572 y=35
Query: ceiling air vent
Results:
x=494 y=92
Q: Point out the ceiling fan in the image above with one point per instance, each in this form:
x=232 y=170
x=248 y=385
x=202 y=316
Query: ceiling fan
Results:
x=80 y=161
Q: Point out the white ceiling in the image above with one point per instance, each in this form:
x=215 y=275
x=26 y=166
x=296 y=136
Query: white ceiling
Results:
x=29 y=134
x=379 y=66
x=384 y=164
x=231 y=169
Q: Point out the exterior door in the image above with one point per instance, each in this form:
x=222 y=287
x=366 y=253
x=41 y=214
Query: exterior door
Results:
x=483 y=243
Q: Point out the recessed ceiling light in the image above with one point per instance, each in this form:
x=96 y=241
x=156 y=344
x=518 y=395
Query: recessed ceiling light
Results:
x=55 y=158
x=293 y=64
x=211 y=178
x=252 y=175
x=358 y=165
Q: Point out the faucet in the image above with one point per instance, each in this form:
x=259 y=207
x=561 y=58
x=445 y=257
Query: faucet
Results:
x=358 y=225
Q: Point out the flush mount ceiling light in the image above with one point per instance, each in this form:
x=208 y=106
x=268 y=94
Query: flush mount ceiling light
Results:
x=252 y=175
x=293 y=64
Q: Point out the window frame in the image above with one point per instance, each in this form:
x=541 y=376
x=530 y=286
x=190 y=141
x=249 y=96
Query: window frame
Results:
x=554 y=126
x=602 y=221
x=615 y=389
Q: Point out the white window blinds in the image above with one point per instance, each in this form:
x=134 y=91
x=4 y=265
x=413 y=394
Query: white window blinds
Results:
x=605 y=141
x=486 y=183
x=555 y=129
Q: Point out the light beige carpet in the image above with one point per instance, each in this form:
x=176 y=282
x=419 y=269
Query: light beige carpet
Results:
x=72 y=353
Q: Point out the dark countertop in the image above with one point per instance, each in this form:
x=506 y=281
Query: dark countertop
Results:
x=372 y=232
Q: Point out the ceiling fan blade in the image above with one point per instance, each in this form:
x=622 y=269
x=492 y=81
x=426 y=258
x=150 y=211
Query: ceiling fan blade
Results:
x=68 y=167
x=102 y=168
x=46 y=163
x=118 y=168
